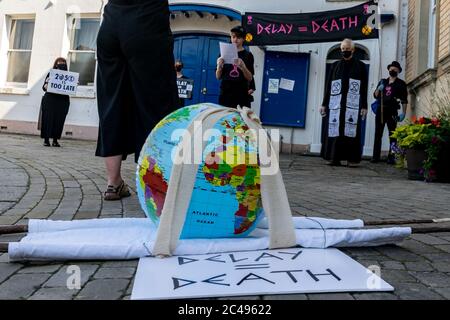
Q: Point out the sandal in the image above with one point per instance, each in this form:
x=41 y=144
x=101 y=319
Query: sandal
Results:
x=116 y=193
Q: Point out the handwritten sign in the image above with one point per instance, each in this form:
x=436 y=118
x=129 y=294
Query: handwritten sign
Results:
x=356 y=23
x=185 y=87
x=285 y=271
x=63 y=82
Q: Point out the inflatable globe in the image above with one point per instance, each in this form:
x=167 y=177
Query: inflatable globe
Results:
x=226 y=199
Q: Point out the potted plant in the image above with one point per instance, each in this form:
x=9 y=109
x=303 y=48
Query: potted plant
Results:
x=425 y=144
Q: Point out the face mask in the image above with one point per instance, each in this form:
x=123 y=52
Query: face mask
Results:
x=62 y=66
x=393 y=74
x=178 y=68
x=346 y=54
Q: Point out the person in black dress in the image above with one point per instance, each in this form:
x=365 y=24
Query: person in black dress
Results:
x=54 y=109
x=136 y=81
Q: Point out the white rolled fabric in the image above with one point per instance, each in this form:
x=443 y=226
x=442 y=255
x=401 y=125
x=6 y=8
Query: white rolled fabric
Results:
x=108 y=239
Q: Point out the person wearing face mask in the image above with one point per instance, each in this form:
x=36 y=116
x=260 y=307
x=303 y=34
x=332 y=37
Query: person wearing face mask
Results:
x=393 y=92
x=344 y=106
x=236 y=78
x=54 y=109
x=179 y=69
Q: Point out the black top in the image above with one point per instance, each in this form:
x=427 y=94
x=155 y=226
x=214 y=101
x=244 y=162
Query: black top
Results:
x=393 y=92
x=233 y=78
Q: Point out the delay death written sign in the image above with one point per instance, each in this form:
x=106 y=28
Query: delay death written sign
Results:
x=63 y=82
x=284 y=271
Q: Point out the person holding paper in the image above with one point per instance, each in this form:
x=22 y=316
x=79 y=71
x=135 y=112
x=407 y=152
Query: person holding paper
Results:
x=54 y=109
x=136 y=82
x=344 y=106
x=235 y=75
x=393 y=92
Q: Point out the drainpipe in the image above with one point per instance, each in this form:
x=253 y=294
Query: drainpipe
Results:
x=402 y=31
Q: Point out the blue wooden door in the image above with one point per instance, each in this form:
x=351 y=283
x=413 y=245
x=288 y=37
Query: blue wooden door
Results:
x=199 y=54
x=285 y=105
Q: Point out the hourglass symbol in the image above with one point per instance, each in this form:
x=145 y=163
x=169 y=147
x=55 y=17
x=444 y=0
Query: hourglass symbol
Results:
x=235 y=72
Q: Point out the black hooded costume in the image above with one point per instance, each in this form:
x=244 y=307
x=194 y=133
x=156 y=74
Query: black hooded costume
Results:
x=345 y=96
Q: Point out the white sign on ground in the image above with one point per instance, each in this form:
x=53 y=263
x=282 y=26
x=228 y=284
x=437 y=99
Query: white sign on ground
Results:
x=63 y=82
x=284 y=271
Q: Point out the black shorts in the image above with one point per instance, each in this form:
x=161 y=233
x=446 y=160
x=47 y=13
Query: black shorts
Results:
x=136 y=80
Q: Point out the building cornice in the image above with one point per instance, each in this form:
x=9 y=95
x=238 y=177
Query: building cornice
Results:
x=422 y=80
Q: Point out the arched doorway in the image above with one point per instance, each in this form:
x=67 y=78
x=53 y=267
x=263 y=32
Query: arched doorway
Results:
x=334 y=54
x=198 y=29
x=199 y=53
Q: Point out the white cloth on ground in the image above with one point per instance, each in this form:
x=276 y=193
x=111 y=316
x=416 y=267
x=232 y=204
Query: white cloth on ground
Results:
x=133 y=238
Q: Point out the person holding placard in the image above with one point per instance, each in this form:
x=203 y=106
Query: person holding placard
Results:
x=54 y=109
x=136 y=82
x=235 y=75
x=179 y=69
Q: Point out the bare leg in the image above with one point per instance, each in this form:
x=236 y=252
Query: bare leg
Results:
x=113 y=165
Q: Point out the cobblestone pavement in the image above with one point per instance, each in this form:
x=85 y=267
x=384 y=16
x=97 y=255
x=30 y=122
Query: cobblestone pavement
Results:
x=66 y=183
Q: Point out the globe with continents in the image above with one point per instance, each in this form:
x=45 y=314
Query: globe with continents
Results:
x=226 y=199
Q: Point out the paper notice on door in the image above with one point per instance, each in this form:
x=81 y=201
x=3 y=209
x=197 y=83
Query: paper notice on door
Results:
x=274 y=85
x=287 y=84
x=229 y=53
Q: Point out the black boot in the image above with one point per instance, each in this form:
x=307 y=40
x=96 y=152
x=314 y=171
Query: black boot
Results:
x=46 y=142
x=55 y=143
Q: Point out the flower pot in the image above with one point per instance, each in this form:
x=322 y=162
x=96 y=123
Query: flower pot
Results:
x=443 y=165
x=415 y=159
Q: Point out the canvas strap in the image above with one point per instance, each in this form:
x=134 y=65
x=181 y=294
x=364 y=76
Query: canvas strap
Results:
x=182 y=181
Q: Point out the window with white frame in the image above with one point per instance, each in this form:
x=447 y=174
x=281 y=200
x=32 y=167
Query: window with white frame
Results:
x=432 y=35
x=19 y=52
x=82 y=49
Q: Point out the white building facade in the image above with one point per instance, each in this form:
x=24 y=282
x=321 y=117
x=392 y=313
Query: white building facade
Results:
x=33 y=33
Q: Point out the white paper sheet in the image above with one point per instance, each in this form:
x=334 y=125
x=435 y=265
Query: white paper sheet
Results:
x=229 y=53
x=287 y=84
x=274 y=85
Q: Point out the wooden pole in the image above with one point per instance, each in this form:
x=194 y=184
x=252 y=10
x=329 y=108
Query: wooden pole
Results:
x=13 y=229
x=3 y=247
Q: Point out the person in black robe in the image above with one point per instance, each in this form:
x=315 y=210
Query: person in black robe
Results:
x=54 y=109
x=344 y=106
